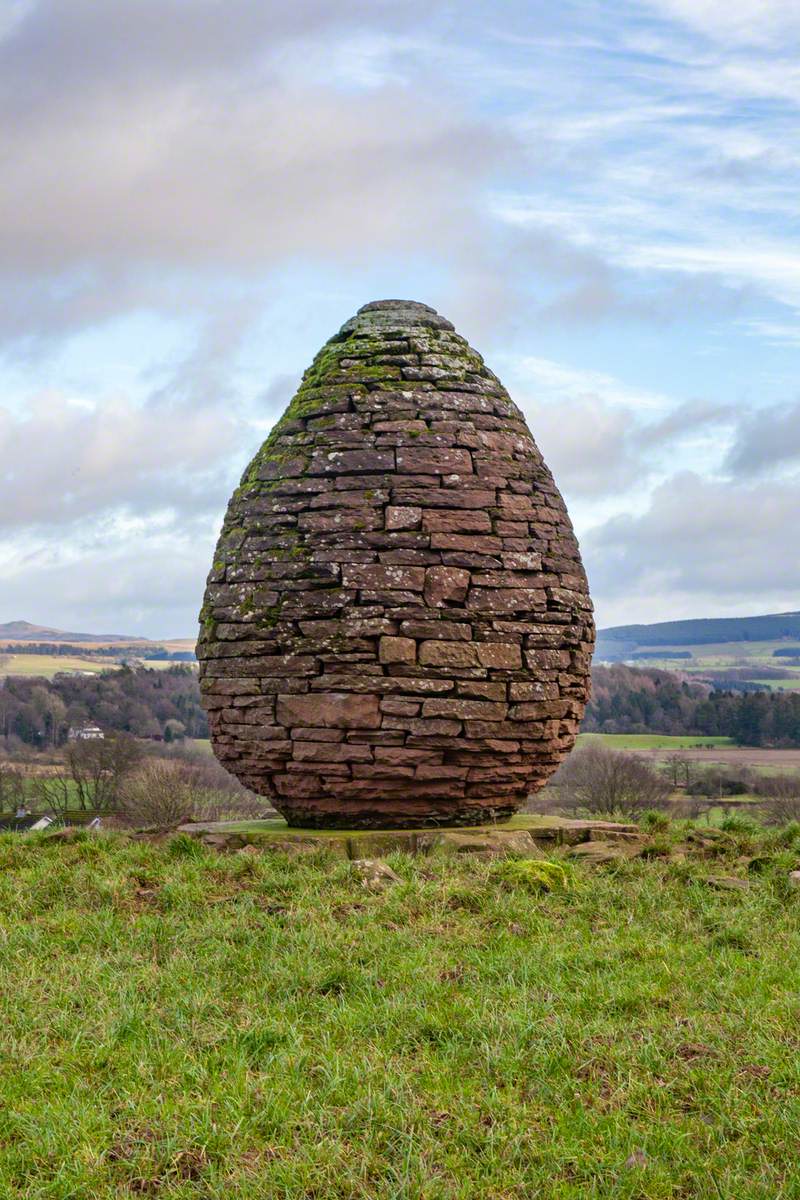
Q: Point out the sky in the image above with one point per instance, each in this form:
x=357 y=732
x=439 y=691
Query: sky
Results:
x=602 y=195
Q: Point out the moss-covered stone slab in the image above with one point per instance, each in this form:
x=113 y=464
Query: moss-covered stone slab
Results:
x=480 y=841
x=523 y=835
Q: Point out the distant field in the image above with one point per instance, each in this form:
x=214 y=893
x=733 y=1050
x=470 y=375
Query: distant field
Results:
x=653 y=741
x=724 y=656
x=782 y=685
x=48 y=665
x=705 y=751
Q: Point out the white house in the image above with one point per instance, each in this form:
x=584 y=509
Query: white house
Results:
x=86 y=733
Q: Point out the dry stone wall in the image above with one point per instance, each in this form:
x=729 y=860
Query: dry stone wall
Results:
x=396 y=629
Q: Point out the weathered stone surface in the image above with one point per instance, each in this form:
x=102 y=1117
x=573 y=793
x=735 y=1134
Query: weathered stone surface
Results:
x=396 y=629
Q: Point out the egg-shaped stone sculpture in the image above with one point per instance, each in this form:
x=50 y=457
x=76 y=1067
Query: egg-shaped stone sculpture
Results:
x=397 y=628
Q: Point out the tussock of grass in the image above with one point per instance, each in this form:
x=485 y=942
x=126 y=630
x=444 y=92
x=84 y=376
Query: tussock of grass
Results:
x=184 y=1024
x=535 y=874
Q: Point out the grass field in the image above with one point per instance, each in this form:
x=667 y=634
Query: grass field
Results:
x=180 y=1024
x=48 y=665
x=653 y=741
x=724 y=656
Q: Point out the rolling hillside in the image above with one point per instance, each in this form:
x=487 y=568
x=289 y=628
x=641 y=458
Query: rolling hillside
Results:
x=622 y=642
x=24 y=631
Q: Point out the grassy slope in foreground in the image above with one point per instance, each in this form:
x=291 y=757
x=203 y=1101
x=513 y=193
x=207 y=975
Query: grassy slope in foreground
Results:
x=182 y=1024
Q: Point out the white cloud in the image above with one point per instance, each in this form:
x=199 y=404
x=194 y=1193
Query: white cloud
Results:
x=66 y=462
x=743 y=22
x=701 y=546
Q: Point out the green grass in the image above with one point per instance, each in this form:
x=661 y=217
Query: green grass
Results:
x=177 y=1023
x=653 y=741
x=48 y=665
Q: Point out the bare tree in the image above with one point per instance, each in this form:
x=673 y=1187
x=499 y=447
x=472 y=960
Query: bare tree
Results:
x=607 y=782
x=98 y=767
x=51 y=793
x=781 y=795
x=12 y=787
x=679 y=769
x=159 y=793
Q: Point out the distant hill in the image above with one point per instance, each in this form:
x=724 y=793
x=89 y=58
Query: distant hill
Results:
x=623 y=641
x=24 y=631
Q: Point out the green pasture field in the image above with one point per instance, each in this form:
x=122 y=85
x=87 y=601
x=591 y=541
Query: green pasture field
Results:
x=183 y=1024
x=726 y=651
x=48 y=665
x=653 y=741
x=781 y=685
x=724 y=656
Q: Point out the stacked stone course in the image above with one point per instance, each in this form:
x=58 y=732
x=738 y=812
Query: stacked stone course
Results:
x=396 y=629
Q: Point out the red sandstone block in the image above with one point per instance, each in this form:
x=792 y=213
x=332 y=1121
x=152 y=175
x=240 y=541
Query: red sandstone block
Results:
x=448 y=654
x=400 y=708
x=332 y=521
x=532 y=730
x=400 y=756
x=547 y=660
x=339 y=462
x=433 y=462
x=440 y=771
x=381 y=771
x=539 y=710
x=478 y=689
x=451 y=631
x=463 y=710
x=449 y=497
x=403 y=517
x=409 y=557
x=472 y=544
x=456 y=520
x=533 y=691
x=378 y=684
x=342 y=770
x=393 y=577
x=332 y=710
x=327 y=752
x=501 y=655
x=317 y=735
x=521 y=561
x=397 y=650
x=506 y=579
x=504 y=600
x=515 y=508
x=408 y=426
x=443 y=584
x=355 y=499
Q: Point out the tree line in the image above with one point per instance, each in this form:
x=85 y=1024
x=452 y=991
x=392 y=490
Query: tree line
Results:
x=142 y=702
x=647 y=700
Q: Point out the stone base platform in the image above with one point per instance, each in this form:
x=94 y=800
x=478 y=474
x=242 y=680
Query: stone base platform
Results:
x=524 y=834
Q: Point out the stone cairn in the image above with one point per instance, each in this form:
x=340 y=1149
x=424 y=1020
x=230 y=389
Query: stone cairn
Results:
x=397 y=629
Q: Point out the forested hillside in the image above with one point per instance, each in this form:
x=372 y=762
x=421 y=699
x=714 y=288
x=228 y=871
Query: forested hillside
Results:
x=142 y=702
x=622 y=641
x=636 y=700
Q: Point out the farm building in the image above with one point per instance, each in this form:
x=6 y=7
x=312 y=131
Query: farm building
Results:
x=86 y=733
